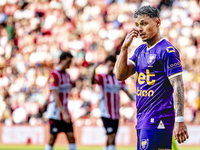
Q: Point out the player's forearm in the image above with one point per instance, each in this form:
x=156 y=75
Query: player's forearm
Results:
x=178 y=95
x=122 y=67
x=58 y=103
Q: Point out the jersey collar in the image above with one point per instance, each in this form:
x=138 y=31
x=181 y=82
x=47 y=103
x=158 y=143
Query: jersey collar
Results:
x=155 y=44
x=59 y=70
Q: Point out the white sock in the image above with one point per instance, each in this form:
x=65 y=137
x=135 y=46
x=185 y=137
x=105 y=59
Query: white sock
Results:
x=105 y=148
x=72 y=146
x=48 y=147
x=111 y=147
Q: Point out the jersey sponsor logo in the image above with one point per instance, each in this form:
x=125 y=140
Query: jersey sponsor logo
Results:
x=144 y=93
x=145 y=53
x=161 y=125
x=174 y=65
x=151 y=60
x=112 y=88
x=144 y=144
x=144 y=78
x=64 y=88
x=170 y=49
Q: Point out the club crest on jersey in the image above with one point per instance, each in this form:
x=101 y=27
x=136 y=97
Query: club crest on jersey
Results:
x=51 y=80
x=144 y=144
x=151 y=59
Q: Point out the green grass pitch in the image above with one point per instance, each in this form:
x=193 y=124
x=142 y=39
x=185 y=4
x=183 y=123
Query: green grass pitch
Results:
x=30 y=147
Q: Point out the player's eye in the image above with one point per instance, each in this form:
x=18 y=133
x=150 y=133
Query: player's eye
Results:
x=143 y=24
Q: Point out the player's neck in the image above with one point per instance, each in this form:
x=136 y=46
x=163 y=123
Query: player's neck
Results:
x=153 y=41
x=111 y=73
x=61 y=68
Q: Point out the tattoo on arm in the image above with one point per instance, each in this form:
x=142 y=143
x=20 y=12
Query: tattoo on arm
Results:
x=178 y=95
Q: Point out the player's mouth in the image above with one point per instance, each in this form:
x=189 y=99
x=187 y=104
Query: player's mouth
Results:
x=142 y=35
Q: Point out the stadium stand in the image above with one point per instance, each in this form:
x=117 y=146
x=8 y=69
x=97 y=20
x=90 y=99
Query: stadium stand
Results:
x=34 y=32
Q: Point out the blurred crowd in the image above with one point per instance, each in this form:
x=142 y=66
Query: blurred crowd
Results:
x=33 y=33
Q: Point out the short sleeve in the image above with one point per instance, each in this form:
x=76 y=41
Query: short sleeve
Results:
x=53 y=82
x=136 y=52
x=99 y=79
x=171 y=62
x=132 y=59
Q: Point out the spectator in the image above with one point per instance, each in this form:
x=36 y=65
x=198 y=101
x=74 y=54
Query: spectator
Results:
x=33 y=34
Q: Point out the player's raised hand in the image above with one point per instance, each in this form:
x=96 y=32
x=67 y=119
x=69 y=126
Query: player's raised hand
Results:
x=66 y=117
x=180 y=132
x=129 y=37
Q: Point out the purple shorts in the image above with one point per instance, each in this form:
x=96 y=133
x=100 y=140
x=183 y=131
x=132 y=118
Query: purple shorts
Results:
x=153 y=139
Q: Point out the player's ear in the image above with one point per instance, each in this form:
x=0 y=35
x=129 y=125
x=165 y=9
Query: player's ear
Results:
x=158 y=22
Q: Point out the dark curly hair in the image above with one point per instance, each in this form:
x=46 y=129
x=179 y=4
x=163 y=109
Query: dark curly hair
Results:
x=150 y=11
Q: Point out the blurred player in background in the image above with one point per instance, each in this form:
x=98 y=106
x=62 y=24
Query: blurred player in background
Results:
x=57 y=110
x=109 y=103
x=159 y=83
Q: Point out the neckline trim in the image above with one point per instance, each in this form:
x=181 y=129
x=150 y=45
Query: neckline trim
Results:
x=155 y=44
x=57 y=68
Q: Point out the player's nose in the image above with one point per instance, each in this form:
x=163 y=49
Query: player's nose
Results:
x=140 y=28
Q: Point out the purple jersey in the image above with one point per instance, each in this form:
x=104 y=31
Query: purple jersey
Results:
x=154 y=93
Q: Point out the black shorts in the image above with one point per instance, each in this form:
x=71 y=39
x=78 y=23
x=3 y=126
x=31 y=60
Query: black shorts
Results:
x=57 y=126
x=110 y=125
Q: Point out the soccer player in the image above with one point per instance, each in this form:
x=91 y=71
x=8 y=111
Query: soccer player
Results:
x=159 y=84
x=109 y=103
x=57 y=110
